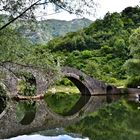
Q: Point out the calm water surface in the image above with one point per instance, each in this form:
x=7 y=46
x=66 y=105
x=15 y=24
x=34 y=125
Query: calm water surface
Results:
x=54 y=134
x=40 y=137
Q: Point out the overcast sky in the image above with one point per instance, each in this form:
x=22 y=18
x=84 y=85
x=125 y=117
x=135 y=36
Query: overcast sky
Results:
x=103 y=8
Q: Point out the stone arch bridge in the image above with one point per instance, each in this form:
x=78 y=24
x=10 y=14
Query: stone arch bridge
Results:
x=44 y=117
x=86 y=84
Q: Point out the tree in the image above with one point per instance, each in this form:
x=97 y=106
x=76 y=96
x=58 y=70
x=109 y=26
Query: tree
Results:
x=27 y=8
x=12 y=46
x=17 y=50
x=133 y=64
x=11 y=50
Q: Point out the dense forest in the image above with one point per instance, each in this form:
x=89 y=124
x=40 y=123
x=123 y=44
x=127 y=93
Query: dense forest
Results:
x=101 y=50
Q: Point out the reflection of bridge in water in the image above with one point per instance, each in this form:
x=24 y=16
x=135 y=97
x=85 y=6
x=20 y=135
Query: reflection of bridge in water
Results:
x=98 y=94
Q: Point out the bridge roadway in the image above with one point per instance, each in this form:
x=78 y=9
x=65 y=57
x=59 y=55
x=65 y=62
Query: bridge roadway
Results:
x=44 y=117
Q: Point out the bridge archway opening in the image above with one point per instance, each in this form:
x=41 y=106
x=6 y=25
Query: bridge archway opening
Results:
x=66 y=103
x=3 y=99
x=82 y=88
x=26 y=86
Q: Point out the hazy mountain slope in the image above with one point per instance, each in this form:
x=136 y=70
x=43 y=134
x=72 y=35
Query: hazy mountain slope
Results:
x=43 y=31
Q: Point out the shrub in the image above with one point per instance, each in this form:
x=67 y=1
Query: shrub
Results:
x=133 y=82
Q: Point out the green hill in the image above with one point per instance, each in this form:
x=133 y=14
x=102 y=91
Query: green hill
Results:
x=101 y=49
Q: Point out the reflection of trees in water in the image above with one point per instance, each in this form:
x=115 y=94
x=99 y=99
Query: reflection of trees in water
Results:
x=119 y=120
x=25 y=112
x=63 y=104
x=78 y=106
x=66 y=104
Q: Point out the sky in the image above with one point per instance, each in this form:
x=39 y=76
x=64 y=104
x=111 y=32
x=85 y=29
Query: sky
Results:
x=104 y=6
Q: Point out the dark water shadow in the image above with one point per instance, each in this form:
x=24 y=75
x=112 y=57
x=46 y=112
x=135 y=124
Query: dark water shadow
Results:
x=26 y=112
x=83 y=100
x=69 y=105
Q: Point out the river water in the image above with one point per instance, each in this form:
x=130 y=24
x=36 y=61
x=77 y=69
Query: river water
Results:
x=54 y=134
x=74 y=104
x=117 y=120
x=40 y=137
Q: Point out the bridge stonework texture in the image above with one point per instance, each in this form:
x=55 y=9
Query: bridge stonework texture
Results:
x=85 y=84
x=45 y=118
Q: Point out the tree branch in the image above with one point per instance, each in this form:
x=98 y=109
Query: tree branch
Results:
x=69 y=11
x=35 y=4
x=19 y=15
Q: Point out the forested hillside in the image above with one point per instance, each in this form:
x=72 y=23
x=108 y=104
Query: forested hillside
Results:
x=101 y=49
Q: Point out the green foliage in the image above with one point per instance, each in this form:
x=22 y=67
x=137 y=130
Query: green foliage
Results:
x=64 y=82
x=105 y=50
x=26 y=84
x=116 y=121
x=133 y=82
x=101 y=49
x=92 y=69
x=40 y=57
x=113 y=21
x=12 y=46
x=120 y=48
x=133 y=67
x=135 y=44
x=131 y=16
x=16 y=49
x=133 y=64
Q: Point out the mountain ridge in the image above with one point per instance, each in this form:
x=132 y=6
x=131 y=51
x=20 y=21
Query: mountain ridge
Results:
x=40 y=32
x=43 y=31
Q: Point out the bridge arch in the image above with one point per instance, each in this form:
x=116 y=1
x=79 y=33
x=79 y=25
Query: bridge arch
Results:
x=42 y=78
x=85 y=84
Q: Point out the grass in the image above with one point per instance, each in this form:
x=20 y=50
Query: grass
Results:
x=63 y=89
